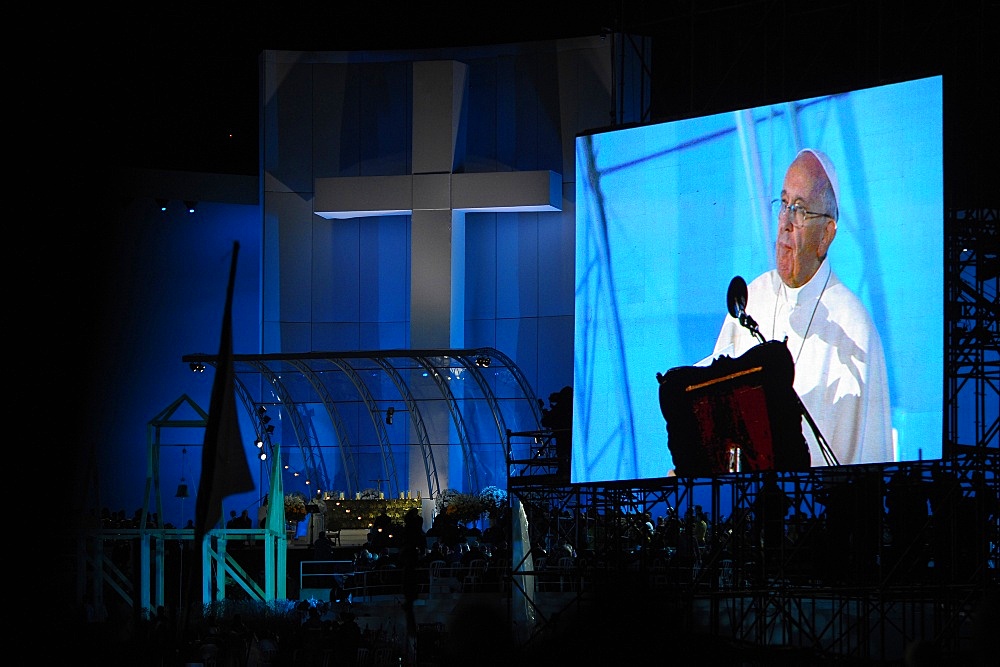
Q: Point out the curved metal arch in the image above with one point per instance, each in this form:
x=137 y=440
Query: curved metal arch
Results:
x=388 y=460
x=522 y=382
x=418 y=360
x=308 y=441
x=417 y=422
x=476 y=372
x=250 y=406
x=343 y=437
x=456 y=418
x=285 y=399
x=491 y=400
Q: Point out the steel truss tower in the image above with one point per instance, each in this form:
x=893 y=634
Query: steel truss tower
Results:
x=870 y=558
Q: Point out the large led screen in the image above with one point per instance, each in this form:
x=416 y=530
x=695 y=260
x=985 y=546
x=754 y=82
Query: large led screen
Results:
x=840 y=259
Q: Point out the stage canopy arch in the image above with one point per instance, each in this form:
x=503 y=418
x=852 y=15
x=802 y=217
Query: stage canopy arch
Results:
x=396 y=421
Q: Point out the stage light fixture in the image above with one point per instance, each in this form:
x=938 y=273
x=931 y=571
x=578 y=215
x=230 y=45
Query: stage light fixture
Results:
x=261 y=409
x=258 y=443
x=265 y=419
x=389 y=414
x=263 y=455
x=197 y=367
x=162 y=204
x=189 y=206
x=483 y=361
x=269 y=428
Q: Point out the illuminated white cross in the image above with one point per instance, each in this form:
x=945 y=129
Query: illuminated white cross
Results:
x=437 y=199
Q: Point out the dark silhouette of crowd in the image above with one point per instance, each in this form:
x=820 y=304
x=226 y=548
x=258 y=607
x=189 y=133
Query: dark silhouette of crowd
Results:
x=920 y=524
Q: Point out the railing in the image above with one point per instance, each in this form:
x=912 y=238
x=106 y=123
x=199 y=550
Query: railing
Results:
x=564 y=575
x=326 y=574
x=388 y=581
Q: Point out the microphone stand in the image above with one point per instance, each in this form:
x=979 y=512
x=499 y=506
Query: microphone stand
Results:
x=824 y=447
x=749 y=323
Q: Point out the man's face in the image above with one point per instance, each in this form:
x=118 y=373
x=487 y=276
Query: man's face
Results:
x=799 y=250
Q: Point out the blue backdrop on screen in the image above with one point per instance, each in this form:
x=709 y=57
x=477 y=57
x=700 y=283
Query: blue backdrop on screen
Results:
x=668 y=214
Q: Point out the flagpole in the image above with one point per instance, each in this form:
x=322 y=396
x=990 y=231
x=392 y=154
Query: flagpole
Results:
x=224 y=468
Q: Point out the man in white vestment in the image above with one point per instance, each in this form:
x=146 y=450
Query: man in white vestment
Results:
x=840 y=371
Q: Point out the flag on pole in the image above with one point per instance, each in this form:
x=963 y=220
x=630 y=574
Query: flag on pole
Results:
x=224 y=468
x=276 y=497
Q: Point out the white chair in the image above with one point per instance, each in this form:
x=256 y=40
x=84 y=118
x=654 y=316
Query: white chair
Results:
x=540 y=564
x=725 y=573
x=567 y=574
x=475 y=575
x=436 y=578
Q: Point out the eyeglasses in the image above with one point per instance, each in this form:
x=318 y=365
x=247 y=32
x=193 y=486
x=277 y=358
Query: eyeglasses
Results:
x=798 y=213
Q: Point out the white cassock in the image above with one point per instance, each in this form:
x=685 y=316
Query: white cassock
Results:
x=840 y=372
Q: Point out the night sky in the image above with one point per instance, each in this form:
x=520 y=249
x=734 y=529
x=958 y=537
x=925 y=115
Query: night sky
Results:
x=175 y=85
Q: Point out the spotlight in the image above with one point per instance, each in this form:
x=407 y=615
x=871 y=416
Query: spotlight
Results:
x=162 y=204
x=263 y=455
x=258 y=443
x=270 y=428
x=483 y=361
x=261 y=409
x=265 y=419
x=190 y=206
x=197 y=367
x=388 y=415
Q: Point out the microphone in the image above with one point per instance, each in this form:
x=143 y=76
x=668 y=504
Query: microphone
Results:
x=736 y=297
x=736 y=302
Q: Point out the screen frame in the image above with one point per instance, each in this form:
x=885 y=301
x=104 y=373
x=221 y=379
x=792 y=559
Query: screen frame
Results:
x=691 y=197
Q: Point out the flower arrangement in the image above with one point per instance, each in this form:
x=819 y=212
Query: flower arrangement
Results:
x=295 y=507
x=444 y=499
x=493 y=498
x=463 y=507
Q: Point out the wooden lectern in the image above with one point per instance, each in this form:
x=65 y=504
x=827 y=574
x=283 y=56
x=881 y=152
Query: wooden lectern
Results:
x=736 y=415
